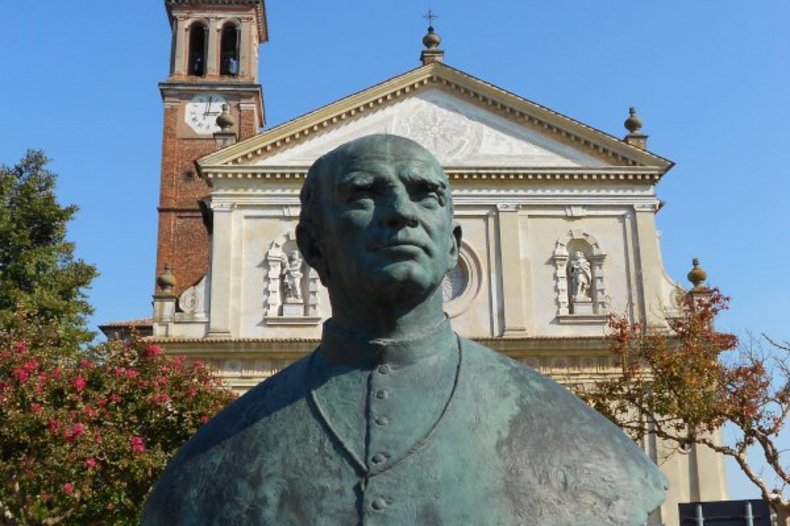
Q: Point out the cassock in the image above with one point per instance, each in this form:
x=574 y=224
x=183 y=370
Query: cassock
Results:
x=433 y=430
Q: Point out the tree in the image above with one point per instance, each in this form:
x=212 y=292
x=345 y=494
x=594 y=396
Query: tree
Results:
x=84 y=430
x=39 y=275
x=85 y=434
x=685 y=383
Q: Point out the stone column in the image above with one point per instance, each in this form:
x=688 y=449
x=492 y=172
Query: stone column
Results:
x=212 y=52
x=648 y=264
x=221 y=271
x=180 y=35
x=244 y=46
x=511 y=271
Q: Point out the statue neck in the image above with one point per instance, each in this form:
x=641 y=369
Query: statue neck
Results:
x=340 y=346
x=388 y=320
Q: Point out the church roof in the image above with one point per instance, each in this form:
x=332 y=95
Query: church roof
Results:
x=592 y=143
x=258 y=5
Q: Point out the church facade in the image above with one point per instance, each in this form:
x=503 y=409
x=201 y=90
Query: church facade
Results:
x=558 y=218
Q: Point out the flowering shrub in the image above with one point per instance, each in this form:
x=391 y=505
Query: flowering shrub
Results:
x=84 y=434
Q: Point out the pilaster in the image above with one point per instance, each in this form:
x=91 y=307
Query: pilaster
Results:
x=511 y=272
x=221 y=271
x=649 y=263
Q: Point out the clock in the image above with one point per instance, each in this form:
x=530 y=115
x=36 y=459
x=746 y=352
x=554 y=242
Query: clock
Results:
x=202 y=111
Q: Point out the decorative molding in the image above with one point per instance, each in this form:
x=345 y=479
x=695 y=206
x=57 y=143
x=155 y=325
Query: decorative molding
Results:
x=461 y=85
x=279 y=310
x=627 y=175
x=599 y=302
x=468 y=276
x=194 y=301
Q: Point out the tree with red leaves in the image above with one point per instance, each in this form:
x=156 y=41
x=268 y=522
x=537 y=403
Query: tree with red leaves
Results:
x=684 y=383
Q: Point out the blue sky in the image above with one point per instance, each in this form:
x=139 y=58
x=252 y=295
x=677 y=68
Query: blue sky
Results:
x=710 y=79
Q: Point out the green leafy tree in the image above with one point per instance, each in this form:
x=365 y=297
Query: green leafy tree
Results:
x=685 y=383
x=39 y=275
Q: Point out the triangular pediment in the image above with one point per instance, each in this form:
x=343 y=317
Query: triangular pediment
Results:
x=465 y=122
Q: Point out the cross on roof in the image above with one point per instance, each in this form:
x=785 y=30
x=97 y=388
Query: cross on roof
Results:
x=430 y=17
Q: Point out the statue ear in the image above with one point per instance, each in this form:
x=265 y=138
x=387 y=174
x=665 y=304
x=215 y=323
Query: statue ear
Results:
x=311 y=250
x=455 y=245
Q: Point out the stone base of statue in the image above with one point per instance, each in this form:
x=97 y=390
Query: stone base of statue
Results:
x=293 y=308
x=583 y=306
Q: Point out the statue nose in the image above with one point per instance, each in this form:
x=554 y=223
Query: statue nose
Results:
x=401 y=212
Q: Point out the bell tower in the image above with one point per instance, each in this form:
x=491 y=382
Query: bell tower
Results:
x=213 y=72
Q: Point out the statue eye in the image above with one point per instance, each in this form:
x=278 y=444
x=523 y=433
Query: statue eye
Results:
x=358 y=192
x=427 y=190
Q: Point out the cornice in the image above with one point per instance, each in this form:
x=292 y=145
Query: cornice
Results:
x=478 y=92
x=204 y=85
x=624 y=174
x=259 y=6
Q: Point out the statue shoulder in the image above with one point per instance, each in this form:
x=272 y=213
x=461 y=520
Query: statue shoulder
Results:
x=226 y=440
x=557 y=445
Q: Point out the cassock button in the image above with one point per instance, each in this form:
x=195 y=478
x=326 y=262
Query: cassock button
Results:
x=382 y=394
x=379 y=459
x=382 y=420
x=378 y=504
x=384 y=368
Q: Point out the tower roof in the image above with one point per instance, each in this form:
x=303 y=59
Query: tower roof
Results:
x=258 y=5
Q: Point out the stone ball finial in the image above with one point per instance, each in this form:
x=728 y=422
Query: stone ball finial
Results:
x=431 y=40
x=633 y=123
x=697 y=276
x=167 y=280
x=225 y=121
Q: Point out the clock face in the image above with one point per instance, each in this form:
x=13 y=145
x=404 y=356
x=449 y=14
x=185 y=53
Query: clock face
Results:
x=202 y=112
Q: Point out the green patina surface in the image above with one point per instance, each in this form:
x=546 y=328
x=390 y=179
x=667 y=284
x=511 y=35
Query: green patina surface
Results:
x=394 y=419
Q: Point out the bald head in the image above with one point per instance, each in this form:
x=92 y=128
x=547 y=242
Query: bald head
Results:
x=322 y=175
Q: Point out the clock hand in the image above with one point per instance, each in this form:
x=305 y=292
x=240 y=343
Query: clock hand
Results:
x=208 y=105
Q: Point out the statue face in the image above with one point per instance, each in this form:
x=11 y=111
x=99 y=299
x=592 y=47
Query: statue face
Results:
x=386 y=224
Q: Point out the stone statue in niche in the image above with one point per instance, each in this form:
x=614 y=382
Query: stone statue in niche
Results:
x=581 y=277
x=387 y=419
x=292 y=278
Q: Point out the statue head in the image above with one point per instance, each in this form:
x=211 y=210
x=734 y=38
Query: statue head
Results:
x=377 y=222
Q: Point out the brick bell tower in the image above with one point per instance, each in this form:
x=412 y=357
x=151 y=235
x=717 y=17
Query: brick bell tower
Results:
x=213 y=73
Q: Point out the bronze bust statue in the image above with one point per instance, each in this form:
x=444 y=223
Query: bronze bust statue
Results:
x=394 y=419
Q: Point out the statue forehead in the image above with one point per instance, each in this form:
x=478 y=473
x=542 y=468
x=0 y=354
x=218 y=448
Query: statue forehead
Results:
x=386 y=149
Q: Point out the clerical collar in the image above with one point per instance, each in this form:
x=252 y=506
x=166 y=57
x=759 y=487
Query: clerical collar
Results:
x=342 y=347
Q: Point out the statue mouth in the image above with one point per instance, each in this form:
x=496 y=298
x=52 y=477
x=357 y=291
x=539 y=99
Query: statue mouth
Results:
x=406 y=247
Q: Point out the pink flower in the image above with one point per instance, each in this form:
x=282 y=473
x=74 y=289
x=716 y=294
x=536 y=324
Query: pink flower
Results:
x=204 y=419
x=79 y=383
x=53 y=426
x=138 y=446
x=160 y=398
x=91 y=462
x=20 y=347
x=85 y=363
x=132 y=373
x=68 y=487
x=76 y=431
x=21 y=374
x=36 y=408
x=192 y=392
x=30 y=365
x=152 y=351
x=115 y=398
